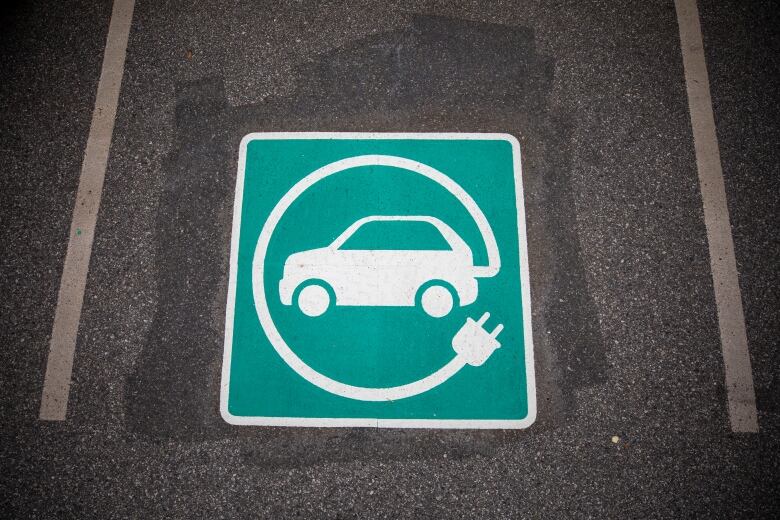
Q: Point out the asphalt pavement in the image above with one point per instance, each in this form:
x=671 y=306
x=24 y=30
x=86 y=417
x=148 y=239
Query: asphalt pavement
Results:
x=632 y=408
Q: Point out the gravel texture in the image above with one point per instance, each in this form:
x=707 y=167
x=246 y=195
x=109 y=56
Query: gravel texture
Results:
x=625 y=326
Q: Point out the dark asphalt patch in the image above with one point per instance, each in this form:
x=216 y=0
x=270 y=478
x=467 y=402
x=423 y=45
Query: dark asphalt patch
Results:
x=429 y=77
x=174 y=387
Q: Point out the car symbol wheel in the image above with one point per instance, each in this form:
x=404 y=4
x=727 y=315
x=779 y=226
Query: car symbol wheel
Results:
x=437 y=301
x=313 y=300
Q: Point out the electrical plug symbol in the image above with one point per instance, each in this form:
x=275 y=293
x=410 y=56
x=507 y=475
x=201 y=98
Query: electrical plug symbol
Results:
x=473 y=343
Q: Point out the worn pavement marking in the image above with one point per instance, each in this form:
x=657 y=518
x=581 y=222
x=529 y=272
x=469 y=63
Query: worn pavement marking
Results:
x=56 y=384
x=736 y=358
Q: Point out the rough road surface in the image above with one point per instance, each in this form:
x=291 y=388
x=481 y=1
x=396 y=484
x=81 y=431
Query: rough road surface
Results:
x=633 y=419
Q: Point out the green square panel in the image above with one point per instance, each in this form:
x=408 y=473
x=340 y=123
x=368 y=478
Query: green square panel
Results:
x=379 y=280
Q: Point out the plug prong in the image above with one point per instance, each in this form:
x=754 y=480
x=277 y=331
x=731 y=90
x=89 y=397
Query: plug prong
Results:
x=497 y=330
x=481 y=321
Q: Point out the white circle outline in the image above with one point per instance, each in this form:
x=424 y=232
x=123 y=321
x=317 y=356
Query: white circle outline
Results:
x=258 y=283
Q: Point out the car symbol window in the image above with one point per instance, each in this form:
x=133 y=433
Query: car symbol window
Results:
x=396 y=235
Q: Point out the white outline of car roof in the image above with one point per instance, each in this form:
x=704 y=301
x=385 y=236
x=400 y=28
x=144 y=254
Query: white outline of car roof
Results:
x=453 y=239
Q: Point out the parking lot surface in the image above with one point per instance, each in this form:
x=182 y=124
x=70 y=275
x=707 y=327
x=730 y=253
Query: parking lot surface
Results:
x=632 y=407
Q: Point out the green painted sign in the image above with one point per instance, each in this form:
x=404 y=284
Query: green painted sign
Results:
x=379 y=280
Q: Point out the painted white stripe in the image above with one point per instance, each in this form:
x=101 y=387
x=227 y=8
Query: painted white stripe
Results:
x=56 y=384
x=728 y=298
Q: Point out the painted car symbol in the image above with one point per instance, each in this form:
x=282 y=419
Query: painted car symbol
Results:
x=435 y=279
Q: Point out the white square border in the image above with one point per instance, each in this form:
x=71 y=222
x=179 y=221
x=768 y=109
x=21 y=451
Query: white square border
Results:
x=525 y=289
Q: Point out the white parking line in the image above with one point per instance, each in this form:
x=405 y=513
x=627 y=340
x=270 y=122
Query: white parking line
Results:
x=56 y=384
x=728 y=298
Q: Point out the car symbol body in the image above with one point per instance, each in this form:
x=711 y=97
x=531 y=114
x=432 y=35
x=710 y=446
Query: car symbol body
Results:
x=436 y=279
